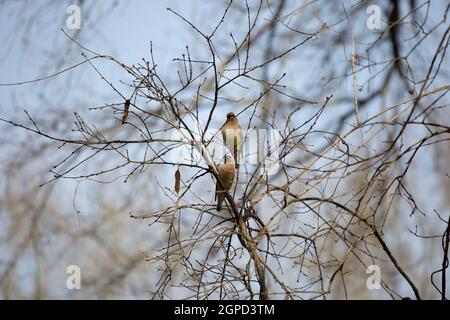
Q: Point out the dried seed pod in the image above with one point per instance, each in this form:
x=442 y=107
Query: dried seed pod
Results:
x=126 y=106
x=177 y=181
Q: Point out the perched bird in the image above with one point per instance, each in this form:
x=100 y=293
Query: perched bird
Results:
x=233 y=136
x=226 y=175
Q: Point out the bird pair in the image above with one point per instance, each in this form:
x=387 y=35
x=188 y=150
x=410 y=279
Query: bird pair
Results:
x=232 y=137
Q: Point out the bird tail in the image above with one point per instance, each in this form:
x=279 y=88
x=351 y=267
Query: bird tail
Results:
x=219 y=204
x=220 y=198
x=236 y=153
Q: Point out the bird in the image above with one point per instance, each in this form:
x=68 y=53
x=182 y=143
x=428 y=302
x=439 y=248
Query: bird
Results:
x=227 y=172
x=233 y=136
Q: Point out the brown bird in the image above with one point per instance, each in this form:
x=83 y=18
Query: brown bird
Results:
x=233 y=136
x=226 y=175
